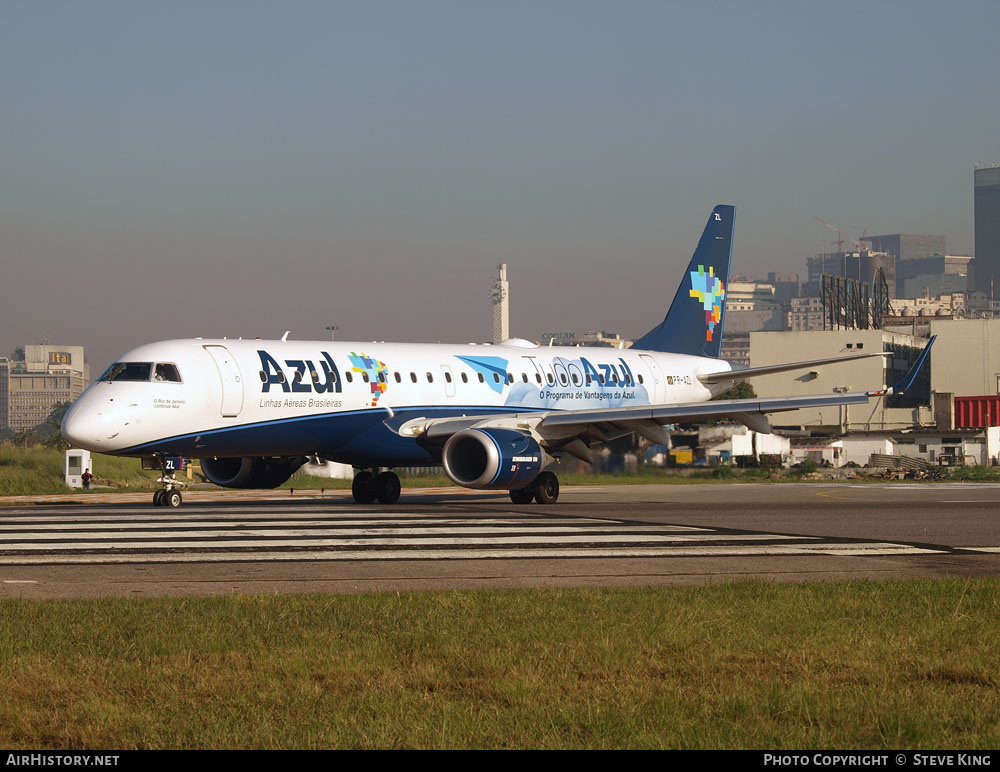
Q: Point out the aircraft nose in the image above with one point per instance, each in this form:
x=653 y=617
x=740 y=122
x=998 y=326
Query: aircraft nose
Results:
x=83 y=427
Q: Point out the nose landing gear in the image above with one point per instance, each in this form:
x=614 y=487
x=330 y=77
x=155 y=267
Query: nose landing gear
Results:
x=170 y=494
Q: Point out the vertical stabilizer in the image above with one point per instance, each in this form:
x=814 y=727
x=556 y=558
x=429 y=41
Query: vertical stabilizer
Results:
x=693 y=324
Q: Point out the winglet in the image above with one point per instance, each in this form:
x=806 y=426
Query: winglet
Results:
x=907 y=380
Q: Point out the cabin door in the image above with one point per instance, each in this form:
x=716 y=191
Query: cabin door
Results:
x=658 y=394
x=232 y=380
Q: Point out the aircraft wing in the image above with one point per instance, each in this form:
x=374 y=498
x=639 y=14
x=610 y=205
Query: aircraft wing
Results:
x=555 y=426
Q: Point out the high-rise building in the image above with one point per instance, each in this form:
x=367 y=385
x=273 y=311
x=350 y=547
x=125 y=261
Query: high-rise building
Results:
x=786 y=285
x=40 y=377
x=500 y=295
x=986 y=265
x=4 y=391
x=851 y=265
x=907 y=246
x=805 y=314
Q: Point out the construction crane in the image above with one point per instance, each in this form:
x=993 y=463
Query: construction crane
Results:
x=842 y=237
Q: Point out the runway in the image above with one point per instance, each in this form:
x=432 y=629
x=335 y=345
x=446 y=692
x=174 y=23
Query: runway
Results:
x=456 y=539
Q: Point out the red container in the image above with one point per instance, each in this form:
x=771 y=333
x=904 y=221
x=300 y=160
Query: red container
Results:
x=977 y=412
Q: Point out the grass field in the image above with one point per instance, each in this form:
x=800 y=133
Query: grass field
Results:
x=36 y=471
x=752 y=665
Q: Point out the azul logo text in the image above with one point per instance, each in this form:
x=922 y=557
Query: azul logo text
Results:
x=305 y=377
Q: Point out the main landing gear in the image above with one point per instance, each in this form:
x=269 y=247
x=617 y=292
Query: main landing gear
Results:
x=170 y=494
x=544 y=489
x=369 y=487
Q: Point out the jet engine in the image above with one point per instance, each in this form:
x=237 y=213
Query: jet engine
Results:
x=492 y=458
x=251 y=472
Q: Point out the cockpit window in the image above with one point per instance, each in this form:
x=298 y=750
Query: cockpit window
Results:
x=165 y=371
x=128 y=371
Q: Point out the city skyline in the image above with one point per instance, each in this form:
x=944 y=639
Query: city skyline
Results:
x=239 y=169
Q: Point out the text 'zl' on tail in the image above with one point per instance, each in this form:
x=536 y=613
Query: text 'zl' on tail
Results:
x=693 y=324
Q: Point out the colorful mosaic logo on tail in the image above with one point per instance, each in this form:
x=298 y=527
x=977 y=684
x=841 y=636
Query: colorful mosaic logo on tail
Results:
x=377 y=372
x=711 y=293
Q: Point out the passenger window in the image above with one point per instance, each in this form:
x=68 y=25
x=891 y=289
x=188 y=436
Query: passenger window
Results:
x=640 y=377
x=538 y=377
x=166 y=372
x=496 y=377
x=524 y=377
x=397 y=376
x=588 y=379
x=549 y=378
x=263 y=377
x=465 y=378
x=413 y=377
x=510 y=378
x=350 y=378
x=381 y=377
x=447 y=376
x=562 y=378
x=364 y=377
x=576 y=379
x=481 y=379
x=600 y=379
x=430 y=378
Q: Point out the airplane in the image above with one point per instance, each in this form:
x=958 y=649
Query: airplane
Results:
x=495 y=416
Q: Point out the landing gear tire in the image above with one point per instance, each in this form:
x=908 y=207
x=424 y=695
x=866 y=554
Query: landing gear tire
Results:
x=387 y=488
x=546 y=488
x=523 y=495
x=172 y=499
x=364 y=488
x=159 y=498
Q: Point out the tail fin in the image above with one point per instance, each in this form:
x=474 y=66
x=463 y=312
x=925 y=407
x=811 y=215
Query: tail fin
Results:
x=693 y=325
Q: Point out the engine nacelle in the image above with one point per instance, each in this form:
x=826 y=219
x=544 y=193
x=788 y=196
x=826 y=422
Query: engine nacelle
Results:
x=492 y=458
x=251 y=472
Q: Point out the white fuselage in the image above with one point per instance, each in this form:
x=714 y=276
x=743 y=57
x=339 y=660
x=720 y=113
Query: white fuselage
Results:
x=344 y=400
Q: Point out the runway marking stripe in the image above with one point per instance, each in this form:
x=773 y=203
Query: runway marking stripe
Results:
x=142 y=532
x=345 y=534
x=326 y=515
x=381 y=542
x=382 y=527
x=484 y=554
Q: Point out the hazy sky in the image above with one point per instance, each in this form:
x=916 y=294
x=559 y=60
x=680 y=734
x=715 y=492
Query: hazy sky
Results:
x=172 y=169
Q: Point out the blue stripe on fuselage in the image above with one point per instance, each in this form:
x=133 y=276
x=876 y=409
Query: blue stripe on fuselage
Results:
x=358 y=437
